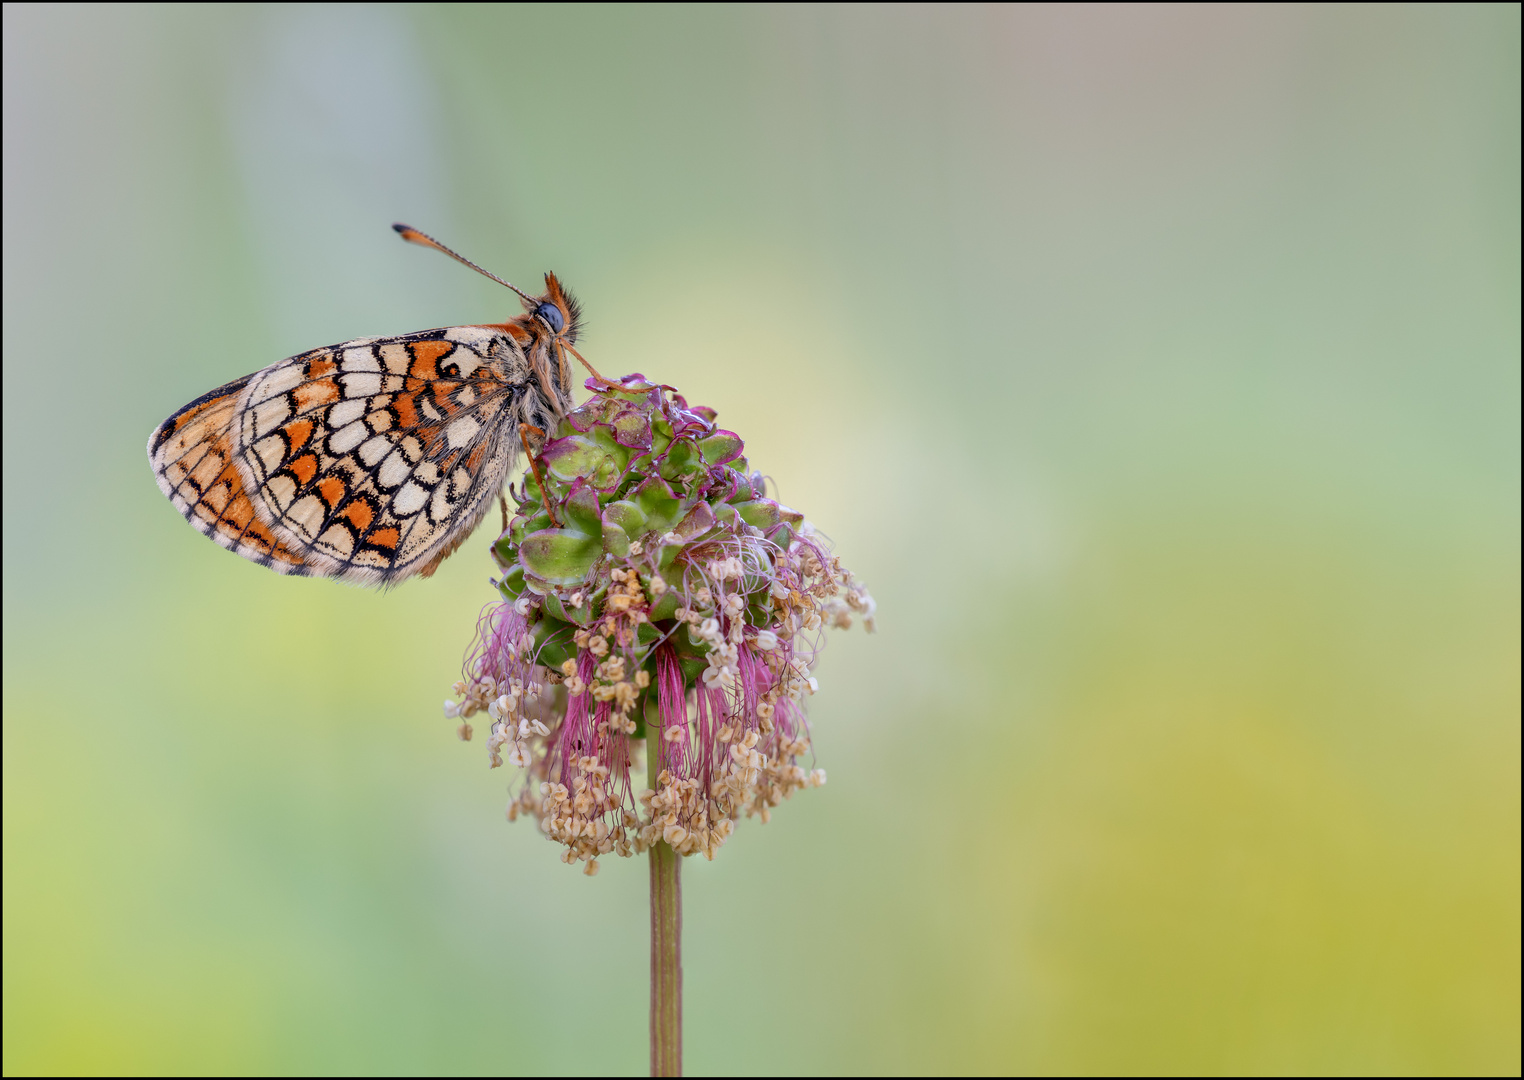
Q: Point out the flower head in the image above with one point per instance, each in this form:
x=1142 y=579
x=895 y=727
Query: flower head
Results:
x=650 y=587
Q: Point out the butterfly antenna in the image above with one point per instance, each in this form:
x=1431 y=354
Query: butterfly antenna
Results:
x=413 y=236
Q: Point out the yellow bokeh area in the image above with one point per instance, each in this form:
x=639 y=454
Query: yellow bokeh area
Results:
x=1157 y=368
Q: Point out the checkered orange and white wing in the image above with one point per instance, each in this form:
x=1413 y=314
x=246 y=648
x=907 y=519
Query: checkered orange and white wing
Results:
x=368 y=461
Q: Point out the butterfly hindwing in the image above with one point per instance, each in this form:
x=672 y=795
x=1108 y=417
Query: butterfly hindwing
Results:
x=192 y=458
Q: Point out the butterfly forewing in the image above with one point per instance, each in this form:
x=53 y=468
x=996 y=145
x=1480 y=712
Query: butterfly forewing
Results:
x=374 y=457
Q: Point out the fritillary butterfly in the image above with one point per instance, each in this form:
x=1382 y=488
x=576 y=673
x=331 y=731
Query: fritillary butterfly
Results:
x=372 y=460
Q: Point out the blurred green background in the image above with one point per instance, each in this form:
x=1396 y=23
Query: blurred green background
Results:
x=1158 y=368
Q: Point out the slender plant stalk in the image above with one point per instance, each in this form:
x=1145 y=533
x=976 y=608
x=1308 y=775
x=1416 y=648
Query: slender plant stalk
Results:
x=666 y=939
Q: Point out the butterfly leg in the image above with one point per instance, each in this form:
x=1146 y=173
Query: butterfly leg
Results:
x=524 y=432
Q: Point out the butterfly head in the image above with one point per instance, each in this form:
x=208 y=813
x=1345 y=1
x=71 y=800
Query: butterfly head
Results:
x=551 y=321
x=557 y=311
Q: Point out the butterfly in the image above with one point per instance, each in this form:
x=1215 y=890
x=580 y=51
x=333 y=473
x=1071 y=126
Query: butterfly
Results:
x=372 y=460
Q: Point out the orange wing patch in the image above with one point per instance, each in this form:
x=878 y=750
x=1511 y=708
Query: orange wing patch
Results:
x=425 y=356
x=192 y=458
x=310 y=395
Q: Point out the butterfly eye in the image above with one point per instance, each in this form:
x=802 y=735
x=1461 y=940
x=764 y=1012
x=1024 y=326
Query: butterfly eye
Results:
x=552 y=316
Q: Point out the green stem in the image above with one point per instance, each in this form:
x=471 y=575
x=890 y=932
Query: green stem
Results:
x=666 y=938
